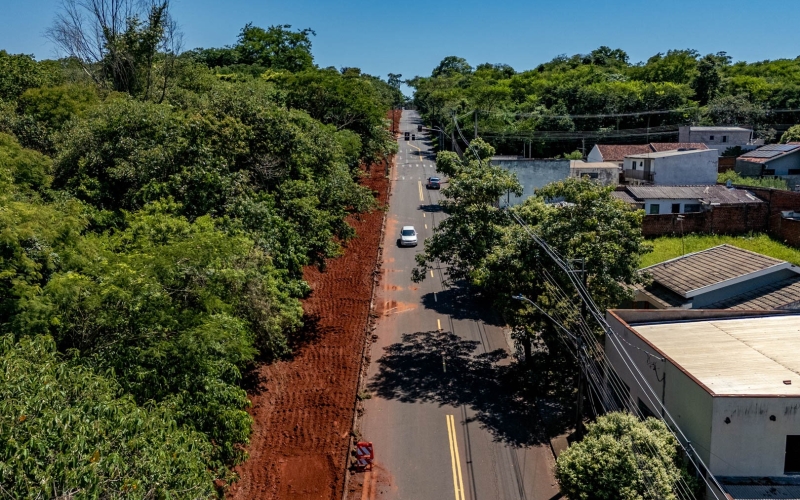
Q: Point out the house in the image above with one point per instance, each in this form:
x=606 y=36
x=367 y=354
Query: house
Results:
x=779 y=160
x=655 y=200
x=677 y=167
x=616 y=153
x=720 y=138
x=723 y=277
x=606 y=173
x=730 y=380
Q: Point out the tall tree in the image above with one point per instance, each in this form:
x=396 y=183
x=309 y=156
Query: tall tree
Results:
x=276 y=47
x=118 y=42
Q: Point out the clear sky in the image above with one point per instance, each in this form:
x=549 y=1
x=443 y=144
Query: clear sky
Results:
x=412 y=36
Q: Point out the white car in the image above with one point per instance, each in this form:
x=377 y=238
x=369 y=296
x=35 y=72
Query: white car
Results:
x=408 y=236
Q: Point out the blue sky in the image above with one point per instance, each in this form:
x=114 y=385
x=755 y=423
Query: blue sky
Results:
x=411 y=36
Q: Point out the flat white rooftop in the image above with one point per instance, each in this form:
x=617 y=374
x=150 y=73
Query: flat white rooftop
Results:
x=736 y=356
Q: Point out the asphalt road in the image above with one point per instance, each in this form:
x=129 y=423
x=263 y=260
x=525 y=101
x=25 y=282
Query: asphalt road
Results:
x=441 y=422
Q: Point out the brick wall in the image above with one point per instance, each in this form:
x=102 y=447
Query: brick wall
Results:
x=732 y=219
x=779 y=200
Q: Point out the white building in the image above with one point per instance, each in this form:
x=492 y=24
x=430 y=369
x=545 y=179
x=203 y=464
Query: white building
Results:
x=720 y=138
x=731 y=381
x=679 y=167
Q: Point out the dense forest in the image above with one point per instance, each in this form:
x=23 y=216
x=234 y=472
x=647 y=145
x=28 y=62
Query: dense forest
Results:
x=157 y=208
x=573 y=102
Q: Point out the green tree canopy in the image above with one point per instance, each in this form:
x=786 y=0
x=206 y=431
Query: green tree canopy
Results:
x=622 y=457
x=276 y=47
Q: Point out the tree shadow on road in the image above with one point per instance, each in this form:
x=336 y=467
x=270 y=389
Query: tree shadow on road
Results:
x=440 y=367
x=460 y=302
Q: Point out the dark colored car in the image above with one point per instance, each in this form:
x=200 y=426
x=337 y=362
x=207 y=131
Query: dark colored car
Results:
x=407 y=135
x=413 y=137
x=434 y=183
x=419 y=128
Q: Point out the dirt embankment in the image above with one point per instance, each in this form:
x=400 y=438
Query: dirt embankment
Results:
x=303 y=407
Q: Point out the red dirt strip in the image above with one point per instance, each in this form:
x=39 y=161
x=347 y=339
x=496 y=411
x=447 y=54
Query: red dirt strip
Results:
x=303 y=407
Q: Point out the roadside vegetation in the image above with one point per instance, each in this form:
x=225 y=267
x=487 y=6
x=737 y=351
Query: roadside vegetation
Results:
x=622 y=457
x=157 y=209
x=670 y=247
x=551 y=107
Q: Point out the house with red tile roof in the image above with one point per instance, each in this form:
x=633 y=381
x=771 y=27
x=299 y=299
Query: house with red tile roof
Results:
x=616 y=153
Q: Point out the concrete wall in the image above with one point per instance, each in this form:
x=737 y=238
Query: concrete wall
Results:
x=665 y=206
x=685 y=134
x=752 y=444
x=594 y=155
x=698 y=167
x=688 y=403
x=532 y=174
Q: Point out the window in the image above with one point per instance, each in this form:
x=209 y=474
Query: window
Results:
x=633 y=165
x=710 y=137
x=654 y=208
x=676 y=208
x=794 y=171
x=792 y=463
x=724 y=138
x=641 y=163
x=691 y=208
x=593 y=175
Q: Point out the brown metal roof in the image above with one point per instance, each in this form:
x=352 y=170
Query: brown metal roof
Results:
x=715 y=193
x=708 y=267
x=784 y=294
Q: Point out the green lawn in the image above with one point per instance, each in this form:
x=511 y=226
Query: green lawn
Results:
x=666 y=248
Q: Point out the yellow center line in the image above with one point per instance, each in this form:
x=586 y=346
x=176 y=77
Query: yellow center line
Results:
x=420 y=190
x=431 y=273
x=458 y=481
x=439 y=324
x=426 y=226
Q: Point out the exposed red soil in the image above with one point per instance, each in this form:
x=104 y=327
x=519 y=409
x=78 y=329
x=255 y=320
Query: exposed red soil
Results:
x=303 y=407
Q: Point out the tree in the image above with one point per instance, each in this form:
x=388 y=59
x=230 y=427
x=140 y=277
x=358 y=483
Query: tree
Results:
x=735 y=110
x=791 y=135
x=622 y=457
x=277 y=47
x=20 y=72
x=395 y=80
x=707 y=81
x=118 y=42
x=451 y=65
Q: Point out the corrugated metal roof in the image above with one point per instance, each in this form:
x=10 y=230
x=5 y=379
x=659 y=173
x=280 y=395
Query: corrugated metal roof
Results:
x=708 y=267
x=784 y=294
x=714 y=193
x=618 y=152
x=733 y=356
x=721 y=129
x=626 y=197
x=664 y=154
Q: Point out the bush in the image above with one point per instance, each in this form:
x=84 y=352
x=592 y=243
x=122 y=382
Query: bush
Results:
x=735 y=178
x=66 y=432
x=622 y=457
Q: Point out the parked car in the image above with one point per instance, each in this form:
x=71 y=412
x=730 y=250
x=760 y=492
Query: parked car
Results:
x=407 y=135
x=408 y=236
x=419 y=128
x=434 y=183
x=413 y=137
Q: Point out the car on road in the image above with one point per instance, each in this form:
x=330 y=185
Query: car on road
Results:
x=419 y=128
x=408 y=236
x=434 y=183
x=413 y=137
x=407 y=135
